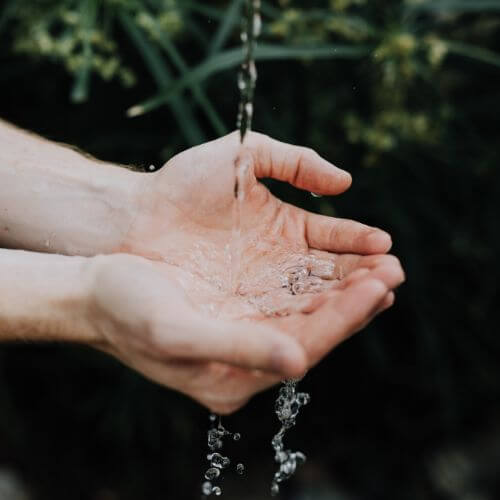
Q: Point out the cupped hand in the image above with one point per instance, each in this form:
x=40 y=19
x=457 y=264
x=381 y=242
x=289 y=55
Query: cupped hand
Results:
x=221 y=280
x=144 y=317
x=188 y=210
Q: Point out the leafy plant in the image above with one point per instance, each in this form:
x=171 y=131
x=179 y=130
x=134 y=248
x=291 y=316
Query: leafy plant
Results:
x=403 y=49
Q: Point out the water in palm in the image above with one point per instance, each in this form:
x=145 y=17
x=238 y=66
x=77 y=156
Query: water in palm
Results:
x=289 y=401
x=296 y=277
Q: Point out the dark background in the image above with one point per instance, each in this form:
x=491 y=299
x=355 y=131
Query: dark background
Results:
x=408 y=409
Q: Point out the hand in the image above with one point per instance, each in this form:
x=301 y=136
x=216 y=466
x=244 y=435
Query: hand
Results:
x=187 y=210
x=185 y=223
x=139 y=313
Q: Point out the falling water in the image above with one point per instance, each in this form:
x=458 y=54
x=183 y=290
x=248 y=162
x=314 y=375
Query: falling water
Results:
x=289 y=401
x=287 y=407
x=247 y=78
x=306 y=276
x=216 y=461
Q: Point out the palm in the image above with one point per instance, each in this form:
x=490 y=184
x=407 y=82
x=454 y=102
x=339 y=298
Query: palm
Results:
x=187 y=224
x=214 y=361
x=192 y=213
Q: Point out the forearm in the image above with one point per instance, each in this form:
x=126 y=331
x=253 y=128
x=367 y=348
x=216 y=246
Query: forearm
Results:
x=45 y=297
x=53 y=199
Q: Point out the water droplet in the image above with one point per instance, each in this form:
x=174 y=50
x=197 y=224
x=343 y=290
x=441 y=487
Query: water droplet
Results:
x=275 y=489
x=249 y=109
x=257 y=24
x=252 y=71
x=242 y=84
x=303 y=398
x=217 y=460
x=237 y=436
x=213 y=439
x=212 y=473
x=240 y=469
x=206 y=488
x=287 y=407
x=217 y=491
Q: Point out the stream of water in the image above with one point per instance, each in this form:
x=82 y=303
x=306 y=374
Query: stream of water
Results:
x=301 y=274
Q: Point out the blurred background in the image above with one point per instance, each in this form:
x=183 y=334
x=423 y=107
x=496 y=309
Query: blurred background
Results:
x=403 y=94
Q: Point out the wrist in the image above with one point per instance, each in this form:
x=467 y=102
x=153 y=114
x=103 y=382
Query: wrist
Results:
x=106 y=204
x=45 y=298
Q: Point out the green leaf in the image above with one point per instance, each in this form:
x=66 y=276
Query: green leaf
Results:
x=456 y=5
x=474 y=52
x=163 y=77
x=234 y=57
x=232 y=17
x=197 y=90
x=88 y=12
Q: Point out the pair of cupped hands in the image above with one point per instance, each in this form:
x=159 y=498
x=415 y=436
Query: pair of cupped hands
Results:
x=164 y=302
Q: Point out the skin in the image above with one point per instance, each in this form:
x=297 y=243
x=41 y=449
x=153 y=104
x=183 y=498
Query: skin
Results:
x=163 y=299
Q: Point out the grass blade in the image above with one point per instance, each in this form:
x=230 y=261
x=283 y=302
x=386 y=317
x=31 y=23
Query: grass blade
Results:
x=474 y=52
x=457 y=5
x=226 y=26
x=88 y=12
x=163 y=77
x=196 y=89
x=233 y=57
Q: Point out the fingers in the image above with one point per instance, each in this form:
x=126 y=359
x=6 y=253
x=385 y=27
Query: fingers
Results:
x=385 y=268
x=349 y=267
x=243 y=344
x=299 y=166
x=344 y=314
x=344 y=236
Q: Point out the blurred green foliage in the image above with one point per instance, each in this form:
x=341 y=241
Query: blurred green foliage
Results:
x=404 y=44
x=405 y=95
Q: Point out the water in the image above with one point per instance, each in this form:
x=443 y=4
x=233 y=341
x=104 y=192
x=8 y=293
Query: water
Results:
x=299 y=275
x=216 y=460
x=247 y=76
x=296 y=280
x=247 y=79
x=287 y=407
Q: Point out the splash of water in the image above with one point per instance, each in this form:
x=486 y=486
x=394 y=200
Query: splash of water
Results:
x=216 y=461
x=287 y=407
x=304 y=277
x=247 y=78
